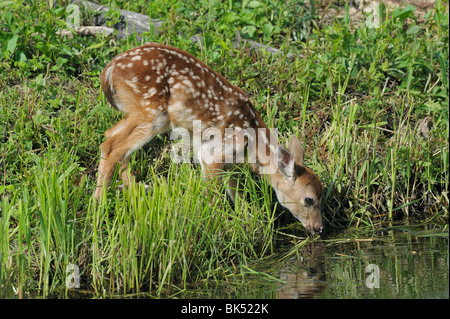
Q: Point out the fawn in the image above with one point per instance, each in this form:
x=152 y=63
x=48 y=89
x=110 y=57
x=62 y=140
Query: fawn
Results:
x=160 y=87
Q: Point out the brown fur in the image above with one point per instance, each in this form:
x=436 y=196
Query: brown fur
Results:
x=159 y=87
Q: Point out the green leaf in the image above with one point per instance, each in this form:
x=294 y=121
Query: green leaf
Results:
x=254 y=4
x=224 y=45
x=95 y=45
x=10 y=188
x=22 y=57
x=249 y=30
x=413 y=30
x=9 y=17
x=403 y=13
x=444 y=69
x=214 y=3
x=6 y=3
x=230 y=17
x=346 y=16
x=268 y=29
x=12 y=43
x=329 y=85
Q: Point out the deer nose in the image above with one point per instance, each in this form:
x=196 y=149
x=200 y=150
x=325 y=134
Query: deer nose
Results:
x=318 y=229
x=315 y=229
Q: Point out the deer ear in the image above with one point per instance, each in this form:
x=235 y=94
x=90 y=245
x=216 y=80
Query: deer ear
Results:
x=285 y=162
x=296 y=148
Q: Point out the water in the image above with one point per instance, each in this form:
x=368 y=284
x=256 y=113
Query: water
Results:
x=404 y=262
x=406 y=266
x=401 y=262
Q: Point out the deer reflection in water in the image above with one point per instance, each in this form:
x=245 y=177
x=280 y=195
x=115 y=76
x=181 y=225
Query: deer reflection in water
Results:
x=304 y=277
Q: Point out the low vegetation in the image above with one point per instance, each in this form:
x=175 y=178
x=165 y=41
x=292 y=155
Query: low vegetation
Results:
x=369 y=101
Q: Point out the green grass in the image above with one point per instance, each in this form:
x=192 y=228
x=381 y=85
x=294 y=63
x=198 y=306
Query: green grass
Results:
x=370 y=105
x=129 y=241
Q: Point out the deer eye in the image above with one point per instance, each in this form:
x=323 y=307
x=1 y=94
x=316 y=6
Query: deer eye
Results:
x=309 y=201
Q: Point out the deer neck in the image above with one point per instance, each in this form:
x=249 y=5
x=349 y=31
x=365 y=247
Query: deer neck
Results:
x=266 y=144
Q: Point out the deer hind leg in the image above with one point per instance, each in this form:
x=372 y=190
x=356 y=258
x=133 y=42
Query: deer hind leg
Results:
x=123 y=139
x=124 y=174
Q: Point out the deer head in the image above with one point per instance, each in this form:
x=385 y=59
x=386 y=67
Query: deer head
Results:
x=298 y=189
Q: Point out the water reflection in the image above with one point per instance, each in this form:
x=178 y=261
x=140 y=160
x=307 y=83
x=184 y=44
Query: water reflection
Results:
x=305 y=276
x=402 y=265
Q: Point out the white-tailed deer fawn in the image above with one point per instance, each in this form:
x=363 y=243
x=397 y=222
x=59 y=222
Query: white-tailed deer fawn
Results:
x=160 y=87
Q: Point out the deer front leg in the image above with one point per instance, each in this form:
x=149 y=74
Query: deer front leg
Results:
x=125 y=175
x=212 y=169
x=234 y=187
x=237 y=157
